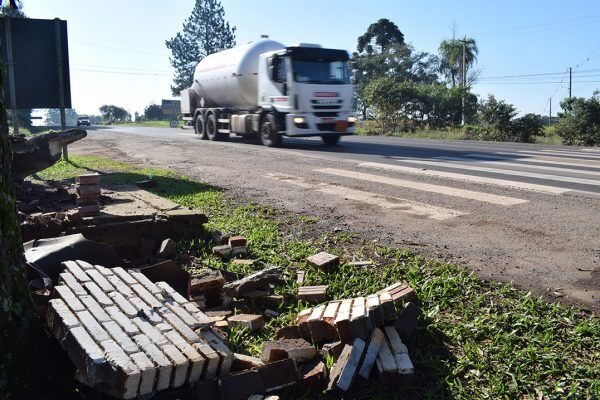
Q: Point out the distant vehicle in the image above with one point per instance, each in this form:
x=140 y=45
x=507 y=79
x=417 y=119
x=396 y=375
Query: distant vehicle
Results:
x=83 y=120
x=267 y=89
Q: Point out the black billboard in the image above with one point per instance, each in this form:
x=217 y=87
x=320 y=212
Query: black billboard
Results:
x=37 y=51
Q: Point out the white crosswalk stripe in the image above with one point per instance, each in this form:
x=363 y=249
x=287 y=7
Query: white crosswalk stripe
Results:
x=537 y=160
x=518 y=163
x=464 y=177
x=445 y=190
x=576 y=155
x=386 y=202
x=524 y=174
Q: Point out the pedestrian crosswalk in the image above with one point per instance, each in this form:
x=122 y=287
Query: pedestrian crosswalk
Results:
x=547 y=172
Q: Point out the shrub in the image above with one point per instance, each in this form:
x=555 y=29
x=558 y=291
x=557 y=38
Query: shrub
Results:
x=580 y=122
x=524 y=129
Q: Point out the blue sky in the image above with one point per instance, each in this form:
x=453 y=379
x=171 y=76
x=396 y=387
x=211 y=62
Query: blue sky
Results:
x=117 y=51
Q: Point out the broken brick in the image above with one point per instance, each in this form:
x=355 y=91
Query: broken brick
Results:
x=250 y=321
x=406 y=323
x=222 y=251
x=240 y=385
x=313 y=294
x=279 y=374
x=297 y=349
x=323 y=260
x=289 y=332
x=237 y=241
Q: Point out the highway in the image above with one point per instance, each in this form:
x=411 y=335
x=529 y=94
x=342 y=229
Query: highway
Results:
x=527 y=214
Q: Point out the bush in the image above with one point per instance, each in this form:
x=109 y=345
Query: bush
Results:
x=580 y=122
x=527 y=127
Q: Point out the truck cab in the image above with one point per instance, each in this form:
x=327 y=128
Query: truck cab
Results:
x=309 y=91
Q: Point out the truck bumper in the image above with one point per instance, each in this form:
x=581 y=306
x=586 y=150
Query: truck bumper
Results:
x=318 y=126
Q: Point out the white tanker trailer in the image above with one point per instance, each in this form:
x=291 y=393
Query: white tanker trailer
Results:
x=267 y=89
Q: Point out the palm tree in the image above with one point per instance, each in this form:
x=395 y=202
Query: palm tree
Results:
x=451 y=52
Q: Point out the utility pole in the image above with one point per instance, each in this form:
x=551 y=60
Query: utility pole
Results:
x=570 y=81
x=550 y=114
x=463 y=75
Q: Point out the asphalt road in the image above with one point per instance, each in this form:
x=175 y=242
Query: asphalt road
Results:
x=518 y=213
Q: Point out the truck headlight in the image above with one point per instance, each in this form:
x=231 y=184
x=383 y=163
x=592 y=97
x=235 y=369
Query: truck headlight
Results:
x=299 y=120
x=352 y=119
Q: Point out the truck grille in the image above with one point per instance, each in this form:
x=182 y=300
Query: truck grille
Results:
x=326 y=114
x=326 y=127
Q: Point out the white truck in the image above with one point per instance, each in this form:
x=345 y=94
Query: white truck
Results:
x=266 y=89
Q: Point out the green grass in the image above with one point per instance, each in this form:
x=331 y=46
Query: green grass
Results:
x=150 y=123
x=476 y=339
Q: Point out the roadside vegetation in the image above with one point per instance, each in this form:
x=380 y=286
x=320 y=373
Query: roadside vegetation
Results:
x=475 y=339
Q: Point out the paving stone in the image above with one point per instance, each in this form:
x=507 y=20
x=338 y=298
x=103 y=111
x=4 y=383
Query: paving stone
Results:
x=100 y=280
x=148 y=372
x=95 y=330
x=119 y=336
x=98 y=294
x=145 y=295
x=66 y=295
x=145 y=282
x=150 y=331
x=120 y=286
x=323 y=260
x=251 y=321
x=94 y=308
x=162 y=363
x=350 y=365
x=194 y=357
x=297 y=349
x=69 y=280
x=125 y=376
x=124 y=275
x=122 y=320
x=222 y=350
x=180 y=365
x=278 y=375
x=371 y=353
x=76 y=271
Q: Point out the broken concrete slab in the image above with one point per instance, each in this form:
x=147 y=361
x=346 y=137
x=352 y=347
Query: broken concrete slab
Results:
x=324 y=261
x=297 y=349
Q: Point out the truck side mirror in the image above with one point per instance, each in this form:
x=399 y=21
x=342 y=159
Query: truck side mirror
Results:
x=273 y=73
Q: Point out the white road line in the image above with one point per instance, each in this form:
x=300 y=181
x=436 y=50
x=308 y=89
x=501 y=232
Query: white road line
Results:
x=558 y=178
x=540 y=160
x=470 y=178
x=518 y=163
x=577 y=156
x=445 y=190
x=391 y=203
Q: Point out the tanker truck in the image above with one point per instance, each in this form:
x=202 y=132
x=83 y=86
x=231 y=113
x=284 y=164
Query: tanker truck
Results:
x=266 y=89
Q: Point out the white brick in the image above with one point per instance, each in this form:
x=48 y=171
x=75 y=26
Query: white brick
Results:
x=69 y=280
x=146 y=296
x=202 y=319
x=121 y=286
x=124 y=275
x=85 y=353
x=196 y=360
x=185 y=316
x=94 y=308
x=180 y=363
x=69 y=298
x=177 y=324
x=162 y=363
x=125 y=374
x=124 y=305
x=147 y=329
x=147 y=372
x=100 y=280
x=76 y=271
x=124 y=322
x=98 y=294
x=96 y=331
x=147 y=283
x=119 y=336
x=212 y=359
x=164 y=327
x=60 y=319
x=217 y=344
x=148 y=313
x=103 y=270
x=169 y=292
x=84 y=265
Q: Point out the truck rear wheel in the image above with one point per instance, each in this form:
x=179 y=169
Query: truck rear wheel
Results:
x=330 y=140
x=268 y=134
x=200 y=128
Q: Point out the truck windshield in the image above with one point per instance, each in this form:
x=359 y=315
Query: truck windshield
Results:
x=321 y=71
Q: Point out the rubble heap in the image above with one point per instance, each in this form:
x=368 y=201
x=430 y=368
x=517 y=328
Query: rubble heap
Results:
x=129 y=337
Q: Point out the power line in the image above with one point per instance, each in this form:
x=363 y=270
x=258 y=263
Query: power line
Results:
x=537 y=74
x=104 y=40
x=120 y=72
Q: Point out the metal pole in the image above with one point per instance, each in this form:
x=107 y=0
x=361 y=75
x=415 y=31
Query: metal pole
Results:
x=61 y=91
x=570 y=81
x=11 y=76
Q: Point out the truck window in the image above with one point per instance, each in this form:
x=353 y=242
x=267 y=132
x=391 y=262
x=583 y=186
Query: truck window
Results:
x=321 y=71
x=279 y=70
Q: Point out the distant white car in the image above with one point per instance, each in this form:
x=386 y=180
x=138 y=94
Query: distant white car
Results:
x=83 y=120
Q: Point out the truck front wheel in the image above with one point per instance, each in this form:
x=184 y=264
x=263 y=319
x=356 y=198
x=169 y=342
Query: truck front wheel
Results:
x=268 y=132
x=330 y=140
x=200 y=128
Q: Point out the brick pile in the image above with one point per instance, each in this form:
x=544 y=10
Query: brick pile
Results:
x=88 y=192
x=130 y=337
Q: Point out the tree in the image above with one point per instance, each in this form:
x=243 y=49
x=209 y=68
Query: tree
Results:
x=111 y=114
x=497 y=113
x=53 y=117
x=579 y=122
x=153 y=113
x=526 y=128
x=205 y=32
x=451 y=51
